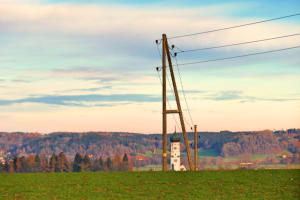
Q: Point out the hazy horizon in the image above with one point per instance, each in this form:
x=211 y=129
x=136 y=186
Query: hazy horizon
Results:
x=154 y=133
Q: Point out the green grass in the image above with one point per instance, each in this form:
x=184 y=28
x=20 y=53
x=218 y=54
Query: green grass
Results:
x=204 y=153
x=231 y=184
x=280 y=166
x=208 y=152
x=258 y=156
x=148 y=154
x=148 y=168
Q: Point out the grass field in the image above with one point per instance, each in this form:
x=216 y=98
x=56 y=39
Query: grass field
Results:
x=231 y=184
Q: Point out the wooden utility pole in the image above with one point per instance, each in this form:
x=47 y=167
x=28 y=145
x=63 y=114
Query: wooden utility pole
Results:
x=165 y=52
x=195 y=143
x=164 y=96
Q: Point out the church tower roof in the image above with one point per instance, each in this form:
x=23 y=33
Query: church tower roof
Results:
x=175 y=137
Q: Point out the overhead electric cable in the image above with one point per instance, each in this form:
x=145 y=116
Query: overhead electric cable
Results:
x=234 y=44
x=174 y=96
x=157 y=69
x=232 y=27
x=157 y=43
x=239 y=56
x=182 y=89
x=176 y=122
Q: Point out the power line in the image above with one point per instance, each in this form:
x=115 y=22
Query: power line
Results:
x=157 y=69
x=234 y=44
x=232 y=27
x=239 y=56
x=176 y=122
x=157 y=46
x=183 y=92
x=174 y=96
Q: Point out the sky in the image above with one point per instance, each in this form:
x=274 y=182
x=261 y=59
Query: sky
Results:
x=89 y=65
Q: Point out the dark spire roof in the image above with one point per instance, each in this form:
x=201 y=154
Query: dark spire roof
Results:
x=175 y=137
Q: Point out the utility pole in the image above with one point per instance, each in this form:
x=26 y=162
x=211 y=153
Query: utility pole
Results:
x=166 y=51
x=195 y=143
x=164 y=96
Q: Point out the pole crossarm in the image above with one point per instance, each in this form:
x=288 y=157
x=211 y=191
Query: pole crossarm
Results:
x=172 y=111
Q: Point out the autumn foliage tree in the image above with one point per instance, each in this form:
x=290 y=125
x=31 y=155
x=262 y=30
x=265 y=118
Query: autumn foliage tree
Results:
x=53 y=163
x=117 y=162
x=86 y=163
x=17 y=164
x=98 y=164
x=37 y=164
x=63 y=163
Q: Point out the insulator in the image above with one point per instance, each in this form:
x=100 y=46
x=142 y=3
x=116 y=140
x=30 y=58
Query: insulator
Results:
x=175 y=54
x=156 y=41
x=173 y=46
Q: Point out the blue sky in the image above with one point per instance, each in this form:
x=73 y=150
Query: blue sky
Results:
x=248 y=8
x=85 y=65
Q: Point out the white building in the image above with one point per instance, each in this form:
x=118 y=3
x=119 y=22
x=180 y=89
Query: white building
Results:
x=2 y=161
x=175 y=152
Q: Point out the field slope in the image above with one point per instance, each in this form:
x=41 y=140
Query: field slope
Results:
x=231 y=184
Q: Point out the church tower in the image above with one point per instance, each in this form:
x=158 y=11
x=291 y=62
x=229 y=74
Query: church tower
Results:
x=175 y=152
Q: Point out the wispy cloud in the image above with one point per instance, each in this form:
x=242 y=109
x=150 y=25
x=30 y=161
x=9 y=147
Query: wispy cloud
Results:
x=226 y=95
x=232 y=95
x=81 y=100
x=98 y=74
x=87 y=73
x=134 y=24
x=80 y=69
x=93 y=89
x=195 y=91
x=20 y=81
x=187 y=92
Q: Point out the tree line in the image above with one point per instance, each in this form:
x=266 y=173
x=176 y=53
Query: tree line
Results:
x=145 y=149
x=60 y=163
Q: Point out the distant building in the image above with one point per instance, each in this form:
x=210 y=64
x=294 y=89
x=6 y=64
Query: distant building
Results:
x=279 y=132
x=175 y=152
x=182 y=168
x=288 y=131
x=284 y=156
x=291 y=131
x=246 y=165
x=225 y=131
x=2 y=160
x=4 y=156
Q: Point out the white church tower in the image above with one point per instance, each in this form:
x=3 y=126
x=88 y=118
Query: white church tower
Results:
x=175 y=152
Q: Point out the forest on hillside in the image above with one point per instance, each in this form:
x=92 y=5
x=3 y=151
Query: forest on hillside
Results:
x=146 y=149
